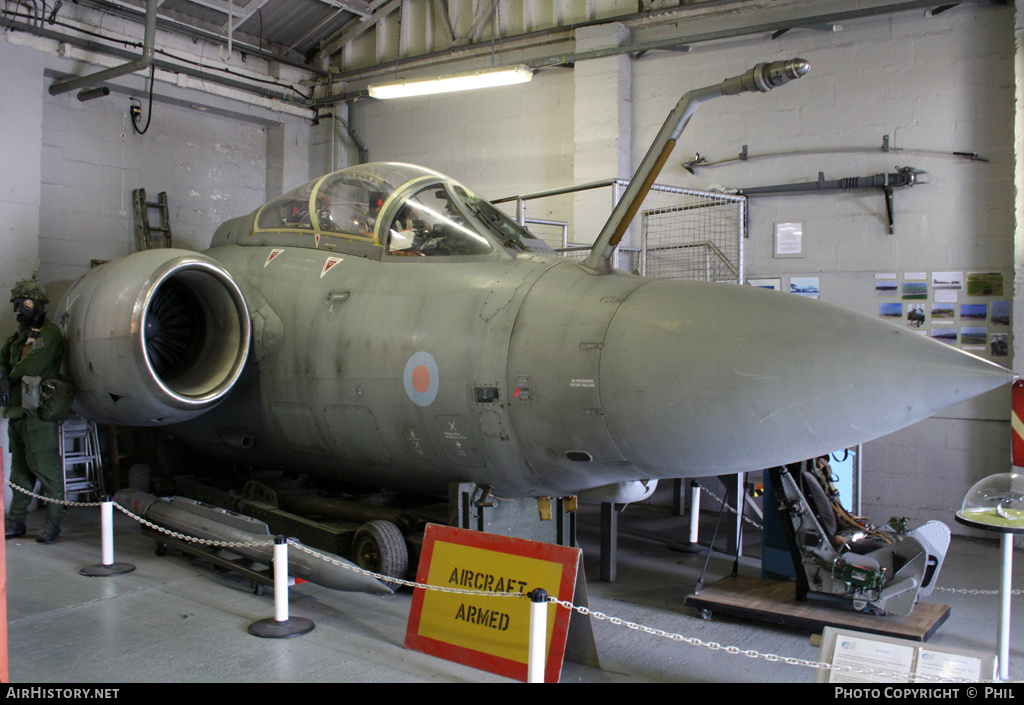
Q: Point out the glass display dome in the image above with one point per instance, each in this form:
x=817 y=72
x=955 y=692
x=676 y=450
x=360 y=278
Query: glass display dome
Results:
x=996 y=503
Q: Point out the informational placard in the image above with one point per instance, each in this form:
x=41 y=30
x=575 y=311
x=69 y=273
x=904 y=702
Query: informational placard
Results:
x=789 y=240
x=475 y=624
x=873 y=658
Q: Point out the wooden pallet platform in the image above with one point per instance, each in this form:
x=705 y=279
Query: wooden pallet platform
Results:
x=764 y=600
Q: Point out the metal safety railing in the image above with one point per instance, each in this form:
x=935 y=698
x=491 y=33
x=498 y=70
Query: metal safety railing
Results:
x=538 y=597
x=679 y=233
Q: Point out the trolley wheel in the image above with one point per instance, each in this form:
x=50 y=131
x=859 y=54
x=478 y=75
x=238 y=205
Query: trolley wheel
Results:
x=257 y=587
x=706 y=614
x=161 y=549
x=380 y=548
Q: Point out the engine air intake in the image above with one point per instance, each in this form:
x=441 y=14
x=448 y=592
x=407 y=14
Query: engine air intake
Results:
x=157 y=337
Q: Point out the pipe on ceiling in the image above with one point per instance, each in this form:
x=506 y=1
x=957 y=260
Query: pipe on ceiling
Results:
x=143 y=62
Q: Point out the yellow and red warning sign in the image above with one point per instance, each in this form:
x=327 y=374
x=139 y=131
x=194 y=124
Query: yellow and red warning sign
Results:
x=478 y=624
x=1017 y=423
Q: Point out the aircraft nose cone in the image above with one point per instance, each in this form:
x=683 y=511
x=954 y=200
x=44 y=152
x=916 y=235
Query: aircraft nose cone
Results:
x=716 y=378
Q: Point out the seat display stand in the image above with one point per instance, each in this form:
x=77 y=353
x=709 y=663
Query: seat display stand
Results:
x=843 y=572
x=773 y=601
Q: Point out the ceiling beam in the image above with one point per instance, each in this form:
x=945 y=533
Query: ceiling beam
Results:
x=356 y=7
x=441 y=7
x=357 y=28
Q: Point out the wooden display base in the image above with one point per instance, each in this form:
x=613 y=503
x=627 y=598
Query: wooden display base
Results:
x=775 y=601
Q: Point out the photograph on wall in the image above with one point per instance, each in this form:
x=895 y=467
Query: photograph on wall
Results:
x=944 y=335
x=984 y=283
x=886 y=284
x=914 y=291
x=805 y=286
x=915 y=315
x=1000 y=313
x=947 y=280
x=974 y=337
x=890 y=310
x=999 y=344
x=943 y=314
x=775 y=284
x=887 y=287
x=974 y=312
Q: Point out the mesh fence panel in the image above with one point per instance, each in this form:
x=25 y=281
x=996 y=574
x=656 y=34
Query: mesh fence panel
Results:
x=695 y=235
x=677 y=234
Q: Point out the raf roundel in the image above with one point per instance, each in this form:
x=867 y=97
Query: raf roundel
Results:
x=421 y=378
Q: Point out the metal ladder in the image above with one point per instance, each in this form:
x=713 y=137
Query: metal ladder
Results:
x=143 y=230
x=80 y=452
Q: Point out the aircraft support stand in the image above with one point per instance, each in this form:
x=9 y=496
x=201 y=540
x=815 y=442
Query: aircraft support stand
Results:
x=609 y=541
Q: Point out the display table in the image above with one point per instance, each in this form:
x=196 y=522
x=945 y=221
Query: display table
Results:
x=1004 y=525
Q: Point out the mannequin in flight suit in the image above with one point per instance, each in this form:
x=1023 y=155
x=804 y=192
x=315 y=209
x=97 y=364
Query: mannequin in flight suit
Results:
x=35 y=351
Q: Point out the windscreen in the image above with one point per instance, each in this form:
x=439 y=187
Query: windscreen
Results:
x=446 y=219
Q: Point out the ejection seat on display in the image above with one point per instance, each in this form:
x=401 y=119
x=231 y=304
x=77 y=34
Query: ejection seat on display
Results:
x=884 y=570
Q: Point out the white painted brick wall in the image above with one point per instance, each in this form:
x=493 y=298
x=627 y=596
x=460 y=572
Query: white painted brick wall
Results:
x=211 y=168
x=498 y=142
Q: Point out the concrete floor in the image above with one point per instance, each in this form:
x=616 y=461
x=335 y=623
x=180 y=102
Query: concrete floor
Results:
x=176 y=620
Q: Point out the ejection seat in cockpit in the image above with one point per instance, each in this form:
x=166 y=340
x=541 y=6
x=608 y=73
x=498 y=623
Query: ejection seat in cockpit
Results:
x=884 y=570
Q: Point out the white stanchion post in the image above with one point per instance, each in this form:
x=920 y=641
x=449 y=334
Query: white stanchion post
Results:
x=691 y=545
x=694 y=511
x=107 y=567
x=107 y=531
x=280 y=580
x=1005 y=589
x=282 y=625
x=537 y=654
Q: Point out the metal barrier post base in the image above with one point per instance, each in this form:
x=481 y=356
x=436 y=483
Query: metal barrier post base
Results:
x=103 y=571
x=273 y=629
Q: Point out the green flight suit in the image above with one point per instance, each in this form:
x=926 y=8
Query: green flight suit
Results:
x=35 y=449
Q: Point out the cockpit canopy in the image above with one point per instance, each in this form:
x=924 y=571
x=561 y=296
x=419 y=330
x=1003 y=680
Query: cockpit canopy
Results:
x=405 y=209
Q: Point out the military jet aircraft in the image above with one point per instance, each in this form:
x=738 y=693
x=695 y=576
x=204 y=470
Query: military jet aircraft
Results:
x=386 y=326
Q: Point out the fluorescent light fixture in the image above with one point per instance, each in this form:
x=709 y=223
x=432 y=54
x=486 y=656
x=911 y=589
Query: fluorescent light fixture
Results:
x=485 y=78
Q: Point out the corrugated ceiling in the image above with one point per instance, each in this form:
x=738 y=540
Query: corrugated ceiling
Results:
x=299 y=25
x=275 y=25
